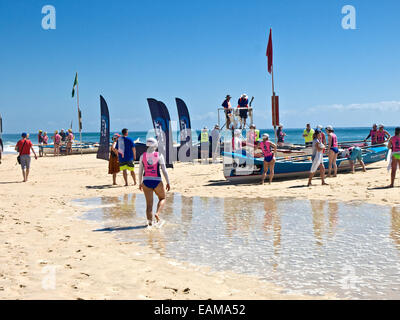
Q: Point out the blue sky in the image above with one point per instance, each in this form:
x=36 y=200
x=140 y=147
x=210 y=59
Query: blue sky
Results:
x=198 y=51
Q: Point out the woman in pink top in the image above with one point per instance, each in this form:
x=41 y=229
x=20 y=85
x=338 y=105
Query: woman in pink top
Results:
x=269 y=157
x=70 y=138
x=394 y=145
x=57 y=140
x=333 y=148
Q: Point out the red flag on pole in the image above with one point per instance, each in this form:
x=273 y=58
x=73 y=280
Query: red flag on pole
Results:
x=269 y=51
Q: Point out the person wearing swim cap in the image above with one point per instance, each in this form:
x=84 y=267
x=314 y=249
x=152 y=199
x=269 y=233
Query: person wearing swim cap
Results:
x=281 y=135
x=372 y=134
x=382 y=135
x=333 y=147
x=269 y=157
x=394 y=145
x=354 y=154
x=151 y=164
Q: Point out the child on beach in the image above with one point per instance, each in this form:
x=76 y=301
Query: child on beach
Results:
x=394 y=146
x=151 y=165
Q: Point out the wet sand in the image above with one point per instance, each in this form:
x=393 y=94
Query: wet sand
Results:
x=41 y=233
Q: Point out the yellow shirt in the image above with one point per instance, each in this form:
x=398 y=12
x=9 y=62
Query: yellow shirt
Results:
x=204 y=137
x=309 y=135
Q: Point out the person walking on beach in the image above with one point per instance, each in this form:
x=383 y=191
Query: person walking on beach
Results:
x=24 y=147
x=40 y=142
x=308 y=134
x=215 y=143
x=372 y=134
x=269 y=157
x=151 y=164
x=333 y=147
x=281 y=135
x=317 y=157
x=243 y=104
x=70 y=138
x=354 y=154
x=126 y=155
x=394 y=146
x=382 y=135
x=57 y=141
x=113 y=162
x=228 y=110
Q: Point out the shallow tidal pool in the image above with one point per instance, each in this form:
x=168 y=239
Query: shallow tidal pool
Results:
x=306 y=246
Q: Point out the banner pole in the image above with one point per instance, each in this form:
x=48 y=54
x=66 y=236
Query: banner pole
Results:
x=79 y=120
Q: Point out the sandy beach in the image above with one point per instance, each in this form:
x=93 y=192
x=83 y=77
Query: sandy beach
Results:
x=40 y=232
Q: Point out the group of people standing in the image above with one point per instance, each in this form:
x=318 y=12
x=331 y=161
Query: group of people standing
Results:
x=59 y=138
x=242 y=107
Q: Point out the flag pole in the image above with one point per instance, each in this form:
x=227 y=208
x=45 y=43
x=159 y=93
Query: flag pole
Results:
x=79 y=120
x=273 y=97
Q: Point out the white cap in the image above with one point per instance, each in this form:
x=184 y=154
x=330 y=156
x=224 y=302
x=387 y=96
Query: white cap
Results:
x=381 y=125
x=319 y=126
x=265 y=135
x=330 y=128
x=244 y=95
x=151 y=142
x=280 y=125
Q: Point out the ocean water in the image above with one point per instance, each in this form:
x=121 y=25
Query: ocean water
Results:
x=292 y=136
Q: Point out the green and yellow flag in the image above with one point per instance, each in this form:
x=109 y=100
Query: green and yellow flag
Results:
x=75 y=83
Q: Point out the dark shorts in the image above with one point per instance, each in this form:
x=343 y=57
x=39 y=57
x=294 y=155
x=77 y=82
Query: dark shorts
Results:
x=309 y=144
x=269 y=158
x=243 y=113
x=151 y=184
x=335 y=150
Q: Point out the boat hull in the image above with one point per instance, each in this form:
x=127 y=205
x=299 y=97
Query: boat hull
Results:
x=238 y=167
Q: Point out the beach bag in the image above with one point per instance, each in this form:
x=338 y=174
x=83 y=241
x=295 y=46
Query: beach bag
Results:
x=19 y=156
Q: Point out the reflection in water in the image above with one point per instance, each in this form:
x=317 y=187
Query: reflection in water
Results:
x=309 y=247
x=395 y=223
x=272 y=220
x=333 y=209
x=318 y=220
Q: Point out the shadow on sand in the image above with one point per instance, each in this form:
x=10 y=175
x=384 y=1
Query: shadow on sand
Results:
x=111 y=229
x=104 y=186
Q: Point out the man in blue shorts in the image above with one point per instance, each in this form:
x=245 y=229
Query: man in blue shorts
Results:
x=127 y=155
